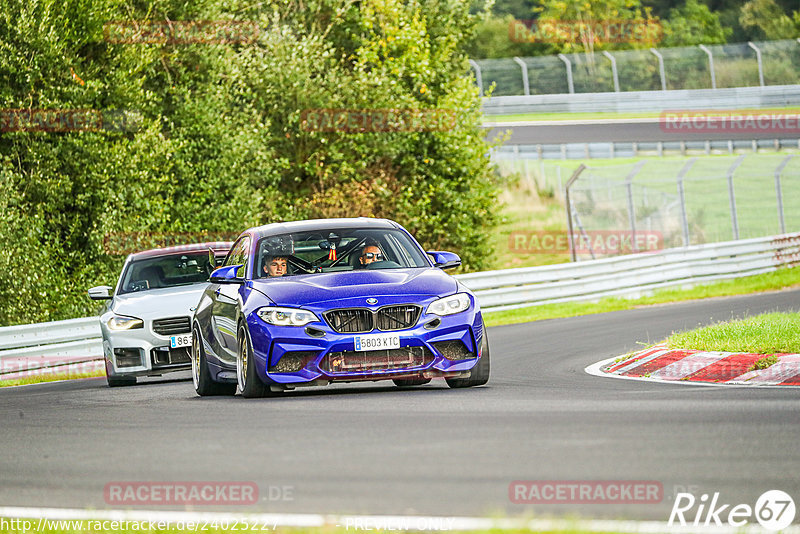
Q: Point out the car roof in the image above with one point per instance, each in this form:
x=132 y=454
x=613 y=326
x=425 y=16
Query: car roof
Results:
x=219 y=247
x=319 y=224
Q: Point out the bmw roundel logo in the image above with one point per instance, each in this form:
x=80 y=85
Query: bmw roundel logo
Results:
x=372 y=300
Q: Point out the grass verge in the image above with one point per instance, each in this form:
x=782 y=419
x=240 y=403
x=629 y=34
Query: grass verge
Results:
x=780 y=279
x=49 y=378
x=768 y=333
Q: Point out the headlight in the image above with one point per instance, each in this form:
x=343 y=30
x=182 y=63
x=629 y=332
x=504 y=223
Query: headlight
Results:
x=286 y=316
x=450 y=305
x=120 y=322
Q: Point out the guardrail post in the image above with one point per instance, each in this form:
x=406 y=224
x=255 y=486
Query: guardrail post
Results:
x=705 y=49
x=734 y=219
x=568 y=64
x=631 y=213
x=778 y=192
x=568 y=201
x=682 y=195
x=660 y=68
x=760 y=64
x=614 y=73
x=525 y=85
x=478 y=77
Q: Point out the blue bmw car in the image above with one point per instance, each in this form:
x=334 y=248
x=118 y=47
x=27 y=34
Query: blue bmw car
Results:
x=314 y=302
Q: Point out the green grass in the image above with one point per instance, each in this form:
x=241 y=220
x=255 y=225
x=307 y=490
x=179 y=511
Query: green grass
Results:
x=520 y=117
x=768 y=333
x=49 y=378
x=764 y=363
x=780 y=279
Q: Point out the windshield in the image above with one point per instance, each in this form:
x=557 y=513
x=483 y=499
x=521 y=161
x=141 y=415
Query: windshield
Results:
x=166 y=271
x=337 y=249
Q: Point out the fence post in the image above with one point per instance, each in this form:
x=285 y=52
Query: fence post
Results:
x=631 y=213
x=760 y=64
x=571 y=181
x=568 y=64
x=525 y=86
x=778 y=192
x=614 y=73
x=660 y=68
x=705 y=49
x=734 y=219
x=685 y=222
x=478 y=77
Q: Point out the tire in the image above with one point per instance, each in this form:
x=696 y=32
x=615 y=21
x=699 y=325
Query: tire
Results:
x=408 y=382
x=204 y=385
x=480 y=373
x=120 y=381
x=247 y=380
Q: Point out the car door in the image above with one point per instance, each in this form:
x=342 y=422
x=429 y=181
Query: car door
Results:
x=224 y=307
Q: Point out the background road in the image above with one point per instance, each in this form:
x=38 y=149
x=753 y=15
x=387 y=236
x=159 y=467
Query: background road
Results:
x=641 y=130
x=374 y=449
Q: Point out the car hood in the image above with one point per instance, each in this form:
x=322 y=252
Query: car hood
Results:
x=326 y=287
x=163 y=302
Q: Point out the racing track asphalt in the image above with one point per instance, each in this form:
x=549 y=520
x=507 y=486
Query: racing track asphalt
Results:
x=373 y=449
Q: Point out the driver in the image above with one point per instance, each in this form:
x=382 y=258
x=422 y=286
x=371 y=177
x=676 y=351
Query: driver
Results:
x=275 y=266
x=370 y=253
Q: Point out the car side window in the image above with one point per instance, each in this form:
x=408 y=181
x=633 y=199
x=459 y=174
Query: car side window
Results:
x=239 y=254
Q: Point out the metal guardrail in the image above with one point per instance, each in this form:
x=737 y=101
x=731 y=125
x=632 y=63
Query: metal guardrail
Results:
x=770 y=96
x=631 y=275
x=79 y=339
x=53 y=344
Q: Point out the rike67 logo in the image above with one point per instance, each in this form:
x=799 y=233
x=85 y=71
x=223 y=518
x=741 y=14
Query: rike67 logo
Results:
x=774 y=510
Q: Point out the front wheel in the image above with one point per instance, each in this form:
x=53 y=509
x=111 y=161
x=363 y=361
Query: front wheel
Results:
x=248 y=382
x=201 y=376
x=480 y=373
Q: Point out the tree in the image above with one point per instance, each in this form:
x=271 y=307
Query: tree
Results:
x=694 y=24
x=768 y=17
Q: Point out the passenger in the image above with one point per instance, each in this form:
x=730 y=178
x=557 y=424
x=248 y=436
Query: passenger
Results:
x=275 y=266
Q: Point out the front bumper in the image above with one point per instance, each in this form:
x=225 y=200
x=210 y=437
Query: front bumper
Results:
x=436 y=346
x=141 y=352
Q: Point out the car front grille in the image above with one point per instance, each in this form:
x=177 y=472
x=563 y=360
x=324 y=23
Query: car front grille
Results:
x=172 y=326
x=397 y=317
x=375 y=360
x=350 y=321
x=360 y=320
x=165 y=356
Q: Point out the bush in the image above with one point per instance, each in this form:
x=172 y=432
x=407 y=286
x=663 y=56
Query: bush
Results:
x=219 y=143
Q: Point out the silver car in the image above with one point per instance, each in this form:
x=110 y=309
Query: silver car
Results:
x=146 y=324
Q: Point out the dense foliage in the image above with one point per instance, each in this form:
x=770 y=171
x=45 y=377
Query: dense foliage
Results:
x=216 y=139
x=683 y=23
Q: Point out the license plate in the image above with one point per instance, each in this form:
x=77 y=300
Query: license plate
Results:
x=183 y=340
x=377 y=342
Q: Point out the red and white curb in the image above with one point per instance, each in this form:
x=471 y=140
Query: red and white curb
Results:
x=660 y=364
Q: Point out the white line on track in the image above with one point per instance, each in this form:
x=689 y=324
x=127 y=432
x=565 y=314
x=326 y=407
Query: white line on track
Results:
x=572 y=122
x=414 y=523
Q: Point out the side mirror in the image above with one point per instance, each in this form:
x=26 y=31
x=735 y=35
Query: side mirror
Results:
x=227 y=275
x=444 y=260
x=100 y=292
